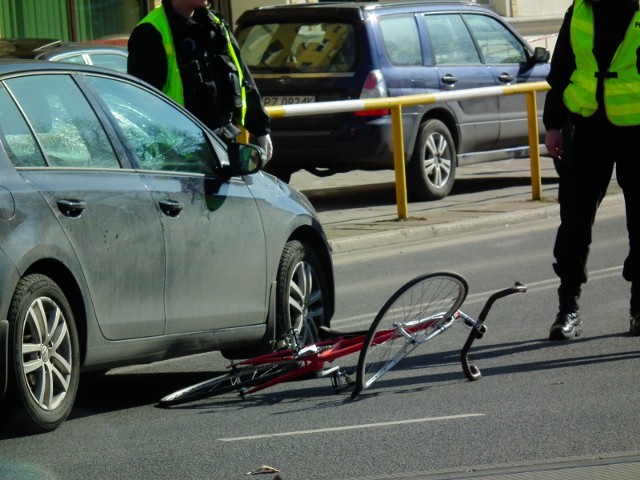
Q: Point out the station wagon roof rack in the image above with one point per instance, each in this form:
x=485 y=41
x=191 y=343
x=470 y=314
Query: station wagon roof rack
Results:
x=367 y=4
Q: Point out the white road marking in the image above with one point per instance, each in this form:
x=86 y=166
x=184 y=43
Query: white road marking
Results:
x=351 y=427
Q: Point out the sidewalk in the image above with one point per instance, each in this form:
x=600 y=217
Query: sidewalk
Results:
x=359 y=210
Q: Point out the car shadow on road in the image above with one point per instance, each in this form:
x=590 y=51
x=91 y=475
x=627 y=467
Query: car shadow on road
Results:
x=121 y=391
x=118 y=391
x=383 y=194
x=112 y=392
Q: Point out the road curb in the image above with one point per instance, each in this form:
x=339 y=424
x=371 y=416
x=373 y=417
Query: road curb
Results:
x=403 y=234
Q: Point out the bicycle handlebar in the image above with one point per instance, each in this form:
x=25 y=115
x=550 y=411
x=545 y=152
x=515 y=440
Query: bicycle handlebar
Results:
x=479 y=329
x=517 y=288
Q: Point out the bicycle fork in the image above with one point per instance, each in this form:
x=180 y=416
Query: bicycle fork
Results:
x=413 y=342
x=478 y=328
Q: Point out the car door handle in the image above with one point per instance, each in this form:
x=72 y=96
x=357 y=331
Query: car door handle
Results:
x=505 y=78
x=71 y=208
x=171 y=208
x=450 y=79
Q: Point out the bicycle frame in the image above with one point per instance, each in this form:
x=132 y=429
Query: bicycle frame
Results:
x=313 y=357
x=311 y=360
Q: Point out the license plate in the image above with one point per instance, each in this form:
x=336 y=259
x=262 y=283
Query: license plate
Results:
x=287 y=100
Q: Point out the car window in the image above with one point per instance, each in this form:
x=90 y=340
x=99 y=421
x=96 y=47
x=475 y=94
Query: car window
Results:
x=160 y=136
x=109 y=60
x=74 y=59
x=497 y=44
x=15 y=135
x=451 y=42
x=401 y=40
x=299 y=47
x=64 y=123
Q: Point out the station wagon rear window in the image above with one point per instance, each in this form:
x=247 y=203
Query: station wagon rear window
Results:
x=298 y=47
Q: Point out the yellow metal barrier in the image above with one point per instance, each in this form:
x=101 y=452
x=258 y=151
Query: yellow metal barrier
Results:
x=395 y=104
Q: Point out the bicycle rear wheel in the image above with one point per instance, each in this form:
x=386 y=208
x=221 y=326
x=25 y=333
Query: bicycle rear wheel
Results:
x=415 y=310
x=240 y=378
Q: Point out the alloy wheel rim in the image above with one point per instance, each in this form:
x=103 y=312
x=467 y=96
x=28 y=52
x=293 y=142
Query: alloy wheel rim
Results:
x=437 y=162
x=306 y=303
x=46 y=353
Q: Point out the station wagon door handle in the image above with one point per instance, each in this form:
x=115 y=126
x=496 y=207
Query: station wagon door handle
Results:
x=450 y=79
x=171 y=208
x=505 y=78
x=71 y=208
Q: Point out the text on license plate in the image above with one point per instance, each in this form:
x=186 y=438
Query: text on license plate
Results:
x=287 y=100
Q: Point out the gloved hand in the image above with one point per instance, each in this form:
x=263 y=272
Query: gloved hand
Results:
x=554 y=143
x=265 y=142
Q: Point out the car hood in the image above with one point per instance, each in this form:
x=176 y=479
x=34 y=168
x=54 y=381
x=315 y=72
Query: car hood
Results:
x=293 y=194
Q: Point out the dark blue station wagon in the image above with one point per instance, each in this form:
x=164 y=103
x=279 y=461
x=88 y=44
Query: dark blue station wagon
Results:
x=357 y=50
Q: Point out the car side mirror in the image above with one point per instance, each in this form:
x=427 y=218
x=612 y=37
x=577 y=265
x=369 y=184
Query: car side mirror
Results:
x=244 y=158
x=541 y=55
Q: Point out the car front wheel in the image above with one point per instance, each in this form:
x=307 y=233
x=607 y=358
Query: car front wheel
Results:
x=432 y=169
x=44 y=355
x=301 y=293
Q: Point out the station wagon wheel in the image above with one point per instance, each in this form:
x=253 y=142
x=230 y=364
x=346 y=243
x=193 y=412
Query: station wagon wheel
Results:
x=301 y=293
x=432 y=169
x=45 y=354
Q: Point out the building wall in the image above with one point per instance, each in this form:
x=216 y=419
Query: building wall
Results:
x=530 y=8
x=86 y=20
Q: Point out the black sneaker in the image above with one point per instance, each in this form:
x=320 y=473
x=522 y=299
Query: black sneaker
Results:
x=567 y=326
x=634 y=328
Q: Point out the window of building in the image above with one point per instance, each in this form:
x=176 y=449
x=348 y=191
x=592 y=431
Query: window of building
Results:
x=76 y=20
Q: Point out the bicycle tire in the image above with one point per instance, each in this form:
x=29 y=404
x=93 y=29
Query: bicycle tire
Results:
x=241 y=378
x=419 y=307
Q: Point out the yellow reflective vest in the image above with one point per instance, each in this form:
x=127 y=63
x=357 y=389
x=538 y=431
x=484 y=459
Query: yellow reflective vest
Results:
x=173 y=85
x=621 y=81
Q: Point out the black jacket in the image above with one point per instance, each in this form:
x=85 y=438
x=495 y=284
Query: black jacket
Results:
x=611 y=20
x=204 y=76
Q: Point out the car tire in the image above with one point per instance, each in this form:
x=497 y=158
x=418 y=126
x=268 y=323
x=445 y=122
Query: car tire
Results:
x=44 y=356
x=432 y=169
x=301 y=293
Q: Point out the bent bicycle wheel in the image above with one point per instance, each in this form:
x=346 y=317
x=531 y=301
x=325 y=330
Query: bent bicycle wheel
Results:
x=415 y=310
x=241 y=378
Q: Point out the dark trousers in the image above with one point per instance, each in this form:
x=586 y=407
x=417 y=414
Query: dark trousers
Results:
x=584 y=177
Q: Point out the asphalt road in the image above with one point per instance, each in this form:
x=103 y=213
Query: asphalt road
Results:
x=537 y=402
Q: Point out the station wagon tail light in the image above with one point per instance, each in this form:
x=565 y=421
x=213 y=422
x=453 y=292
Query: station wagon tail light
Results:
x=374 y=87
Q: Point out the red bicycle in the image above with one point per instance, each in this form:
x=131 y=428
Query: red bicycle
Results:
x=417 y=312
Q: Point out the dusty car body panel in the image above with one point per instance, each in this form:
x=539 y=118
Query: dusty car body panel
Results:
x=155 y=264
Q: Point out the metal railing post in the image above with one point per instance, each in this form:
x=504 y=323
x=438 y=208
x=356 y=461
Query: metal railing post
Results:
x=395 y=104
x=534 y=147
x=398 y=162
x=243 y=136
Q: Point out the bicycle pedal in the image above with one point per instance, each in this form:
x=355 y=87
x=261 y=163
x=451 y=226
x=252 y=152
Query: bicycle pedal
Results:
x=341 y=380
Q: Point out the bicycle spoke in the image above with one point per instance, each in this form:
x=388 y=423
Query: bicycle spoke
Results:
x=417 y=310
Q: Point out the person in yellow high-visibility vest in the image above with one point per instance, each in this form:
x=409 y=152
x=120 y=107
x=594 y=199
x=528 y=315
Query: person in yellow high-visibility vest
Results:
x=185 y=49
x=592 y=118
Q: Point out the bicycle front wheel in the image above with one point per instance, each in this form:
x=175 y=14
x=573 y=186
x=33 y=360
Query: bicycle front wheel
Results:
x=241 y=378
x=413 y=312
